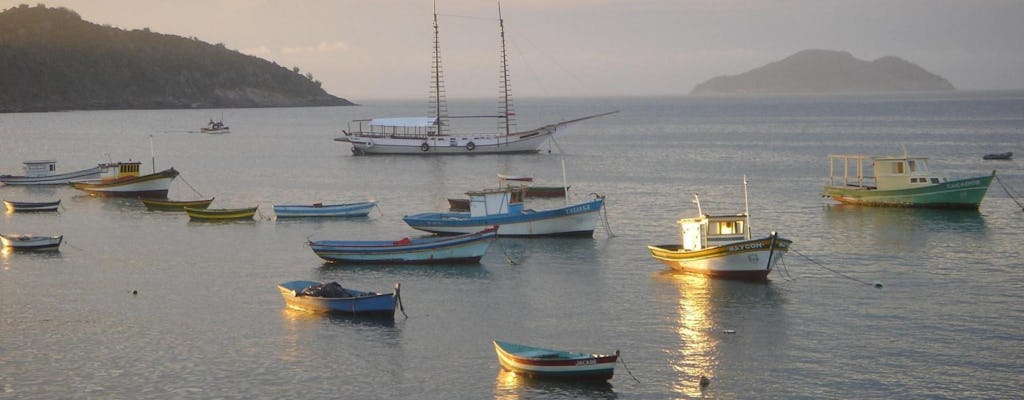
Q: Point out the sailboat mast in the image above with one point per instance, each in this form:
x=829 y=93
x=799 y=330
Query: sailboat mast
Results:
x=505 y=92
x=440 y=108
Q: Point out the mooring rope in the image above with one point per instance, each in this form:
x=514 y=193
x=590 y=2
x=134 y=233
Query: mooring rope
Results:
x=398 y=297
x=190 y=186
x=623 y=361
x=878 y=285
x=1008 y=193
x=604 y=217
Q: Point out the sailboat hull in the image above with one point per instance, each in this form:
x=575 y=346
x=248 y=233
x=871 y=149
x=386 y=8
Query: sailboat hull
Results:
x=523 y=142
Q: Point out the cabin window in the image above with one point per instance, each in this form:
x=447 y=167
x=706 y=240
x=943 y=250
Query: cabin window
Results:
x=935 y=180
x=899 y=168
x=52 y=167
x=912 y=164
x=727 y=228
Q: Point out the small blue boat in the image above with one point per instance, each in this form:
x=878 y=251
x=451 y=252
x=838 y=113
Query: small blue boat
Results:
x=361 y=209
x=504 y=207
x=332 y=298
x=468 y=248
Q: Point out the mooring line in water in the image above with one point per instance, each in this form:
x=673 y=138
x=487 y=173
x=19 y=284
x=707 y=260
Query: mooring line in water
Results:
x=398 y=298
x=190 y=186
x=505 y=252
x=623 y=361
x=878 y=285
x=1012 y=197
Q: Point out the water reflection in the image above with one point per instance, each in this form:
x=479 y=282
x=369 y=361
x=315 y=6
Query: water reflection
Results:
x=336 y=271
x=306 y=331
x=887 y=228
x=511 y=386
x=710 y=310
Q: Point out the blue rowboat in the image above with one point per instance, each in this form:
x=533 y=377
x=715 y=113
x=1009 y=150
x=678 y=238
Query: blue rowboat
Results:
x=361 y=209
x=26 y=206
x=332 y=298
x=537 y=362
x=467 y=248
x=504 y=207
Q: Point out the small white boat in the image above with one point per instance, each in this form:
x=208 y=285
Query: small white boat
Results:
x=360 y=209
x=15 y=241
x=721 y=246
x=542 y=363
x=28 y=206
x=468 y=248
x=215 y=127
x=44 y=172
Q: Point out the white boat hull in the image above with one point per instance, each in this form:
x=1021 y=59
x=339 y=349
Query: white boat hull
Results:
x=575 y=220
x=31 y=242
x=752 y=259
x=59 y=179
x=524 y=142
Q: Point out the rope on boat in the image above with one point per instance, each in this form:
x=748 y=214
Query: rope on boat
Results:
x=784 y=270
x=68 y=244
x=1008 y=193
x=505 y=253
x=398 y=297
x=877 y=285
x=604 y=217
x=190 y=186
x=556 y=145
x=377 y=206
x=626 y=367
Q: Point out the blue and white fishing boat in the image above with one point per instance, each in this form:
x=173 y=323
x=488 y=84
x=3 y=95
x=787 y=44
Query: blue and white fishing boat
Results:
x=15 y=241
x=437 y=249
x=504 y=207
x=360 y=209
x=332 y=298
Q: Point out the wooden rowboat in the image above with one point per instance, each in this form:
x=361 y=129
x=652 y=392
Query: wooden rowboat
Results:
x=26 y=206
x=174 y=205
x=220 y=214
x=537 y=362
x=30 y=242
x=436 y=249
x=360 y=209
x=332 y=298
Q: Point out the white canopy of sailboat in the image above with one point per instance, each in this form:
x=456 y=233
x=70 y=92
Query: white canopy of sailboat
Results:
x=433 y=136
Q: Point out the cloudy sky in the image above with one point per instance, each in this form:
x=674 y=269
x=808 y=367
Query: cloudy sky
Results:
x=372 y=49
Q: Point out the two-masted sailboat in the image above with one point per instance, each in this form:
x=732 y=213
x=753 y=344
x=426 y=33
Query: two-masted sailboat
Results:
x=432 y=135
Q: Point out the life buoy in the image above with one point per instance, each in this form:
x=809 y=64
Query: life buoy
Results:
x=470 y=146
x=424 y=146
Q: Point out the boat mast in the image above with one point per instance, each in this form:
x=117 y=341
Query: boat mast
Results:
x=505 y=121
x=438 y=102
x=746 y=208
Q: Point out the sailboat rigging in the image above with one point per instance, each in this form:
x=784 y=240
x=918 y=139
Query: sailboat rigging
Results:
x=433 y=136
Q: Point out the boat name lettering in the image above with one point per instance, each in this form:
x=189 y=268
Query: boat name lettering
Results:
x=586 y=362
x=973 y=182
x=746 y=246
x=576 y=209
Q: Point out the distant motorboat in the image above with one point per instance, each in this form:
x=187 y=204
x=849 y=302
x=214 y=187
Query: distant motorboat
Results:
x=998 y=156
x=44 y=172
x=215 y=127
x=27 y=206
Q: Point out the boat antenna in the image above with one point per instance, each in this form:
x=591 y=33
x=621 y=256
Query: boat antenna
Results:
x=505 y=92
x=565 y=184
x=152 y=154
x=746 y=207
x=440 y=106
x=696 y=199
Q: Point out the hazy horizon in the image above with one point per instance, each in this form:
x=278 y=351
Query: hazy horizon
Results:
x=363 y=50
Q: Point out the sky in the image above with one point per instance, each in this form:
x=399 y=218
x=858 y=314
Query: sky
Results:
x=381 y=49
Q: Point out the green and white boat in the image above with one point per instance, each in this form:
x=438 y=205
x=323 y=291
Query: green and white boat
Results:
x=900 y=181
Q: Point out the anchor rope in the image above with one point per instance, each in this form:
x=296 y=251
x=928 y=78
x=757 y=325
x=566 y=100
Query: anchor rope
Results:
x=1008 y=193
x=623 y=361
x=604 y=217
x=401 y=307
x=190 y=186
x=832 y=270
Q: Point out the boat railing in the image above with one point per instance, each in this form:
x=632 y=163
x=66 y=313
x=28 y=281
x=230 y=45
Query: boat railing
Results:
x=856 y=177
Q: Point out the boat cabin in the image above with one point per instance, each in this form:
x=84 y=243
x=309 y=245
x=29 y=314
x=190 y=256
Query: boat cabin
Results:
x=507 y=200
x=708 y=231
x=413 y=127
x=887 y=172
x=120 y=170
x=39 y=168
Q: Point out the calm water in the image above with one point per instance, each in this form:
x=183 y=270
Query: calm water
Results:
x=207 y=321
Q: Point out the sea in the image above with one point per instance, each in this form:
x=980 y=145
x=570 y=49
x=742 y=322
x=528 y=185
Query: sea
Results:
x=870 y=303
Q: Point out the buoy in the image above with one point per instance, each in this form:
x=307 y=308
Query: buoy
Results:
x=134 y=292
x=704 y=381
x=878 y=284
x=729 y=331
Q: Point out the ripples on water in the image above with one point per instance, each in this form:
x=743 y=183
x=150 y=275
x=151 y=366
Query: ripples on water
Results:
x=208 y=322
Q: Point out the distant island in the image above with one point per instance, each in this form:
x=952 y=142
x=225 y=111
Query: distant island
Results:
x=827 y=71
x=52 y=60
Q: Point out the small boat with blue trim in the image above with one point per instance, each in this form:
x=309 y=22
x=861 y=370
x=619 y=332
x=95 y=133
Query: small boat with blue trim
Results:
x=220 y=214
x=900 y=181
x=721 y=246
x=504 y=207
x=30 y=206
x=44 y=172
x=333 y=298
x=467 y=248
x=542 y=363
x=360 y=209
x=16 y=241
